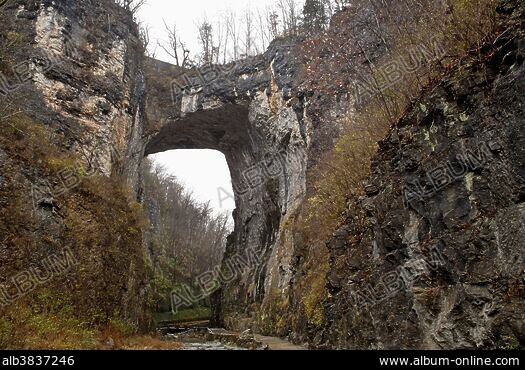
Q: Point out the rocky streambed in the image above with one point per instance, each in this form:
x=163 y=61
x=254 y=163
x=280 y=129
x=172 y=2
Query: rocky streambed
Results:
x=199 y=336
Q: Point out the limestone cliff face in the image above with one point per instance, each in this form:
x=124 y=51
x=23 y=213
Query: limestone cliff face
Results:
x=83 y=61
x=73 y=71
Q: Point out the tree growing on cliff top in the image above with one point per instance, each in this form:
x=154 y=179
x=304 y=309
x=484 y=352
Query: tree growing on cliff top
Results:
x=206 y=40
x=290 y=12
x=236 y=35
x=175 y=47
x=314 y=16
x=132 y=6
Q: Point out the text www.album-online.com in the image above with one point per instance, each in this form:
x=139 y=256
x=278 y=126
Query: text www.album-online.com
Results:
x=444 y=361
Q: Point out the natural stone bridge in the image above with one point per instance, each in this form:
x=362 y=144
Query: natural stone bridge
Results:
x=113 y=109
x=247 y=111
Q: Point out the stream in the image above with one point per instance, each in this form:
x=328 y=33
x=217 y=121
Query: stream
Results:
x=209 y=346
x=198 y=336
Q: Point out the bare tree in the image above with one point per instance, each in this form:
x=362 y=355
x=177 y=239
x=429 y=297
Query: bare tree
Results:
x=273 y=22
x=175 y=48
x=132 y=6
x=290 y=15
x=264 y=33
x=221 y=42
x=249 y=33
x=144 y=34
x=232 y=26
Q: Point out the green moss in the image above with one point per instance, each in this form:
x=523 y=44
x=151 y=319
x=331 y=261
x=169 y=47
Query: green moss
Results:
x=510 y=343
x=275 y=318
x=198 y=313
x=315 y=296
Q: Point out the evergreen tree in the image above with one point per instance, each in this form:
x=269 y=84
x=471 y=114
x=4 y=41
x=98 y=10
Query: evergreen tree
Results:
x=314 y=15
x=206 y=41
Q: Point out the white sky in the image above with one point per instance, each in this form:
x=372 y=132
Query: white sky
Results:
x=185 y=14
x=205 y=173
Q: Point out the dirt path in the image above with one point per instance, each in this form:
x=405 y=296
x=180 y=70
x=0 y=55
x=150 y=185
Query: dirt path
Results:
x=278 y=344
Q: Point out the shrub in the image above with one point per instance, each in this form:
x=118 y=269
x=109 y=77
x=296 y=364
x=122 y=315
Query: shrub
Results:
x=341 y=56
x=47 y=323
x=98 y=220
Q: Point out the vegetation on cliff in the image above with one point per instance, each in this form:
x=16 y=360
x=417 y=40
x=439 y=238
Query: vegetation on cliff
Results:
x=382 y=58
x=104 y=229
x=99 y=224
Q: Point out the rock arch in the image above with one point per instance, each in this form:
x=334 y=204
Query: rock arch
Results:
x=247 y=112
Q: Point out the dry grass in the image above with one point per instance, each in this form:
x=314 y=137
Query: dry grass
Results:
x=24 y=326
x=97 y=219
x=144 y=343
x=337 y=59
x=454 y=26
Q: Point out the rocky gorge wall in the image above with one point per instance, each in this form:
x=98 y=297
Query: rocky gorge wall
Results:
x=83 y=60
x=432 y=257
x=72 y=115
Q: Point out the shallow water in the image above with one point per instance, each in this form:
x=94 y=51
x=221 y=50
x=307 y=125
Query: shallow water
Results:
x=209 y=346
x=203 y=338
x=193 y=342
